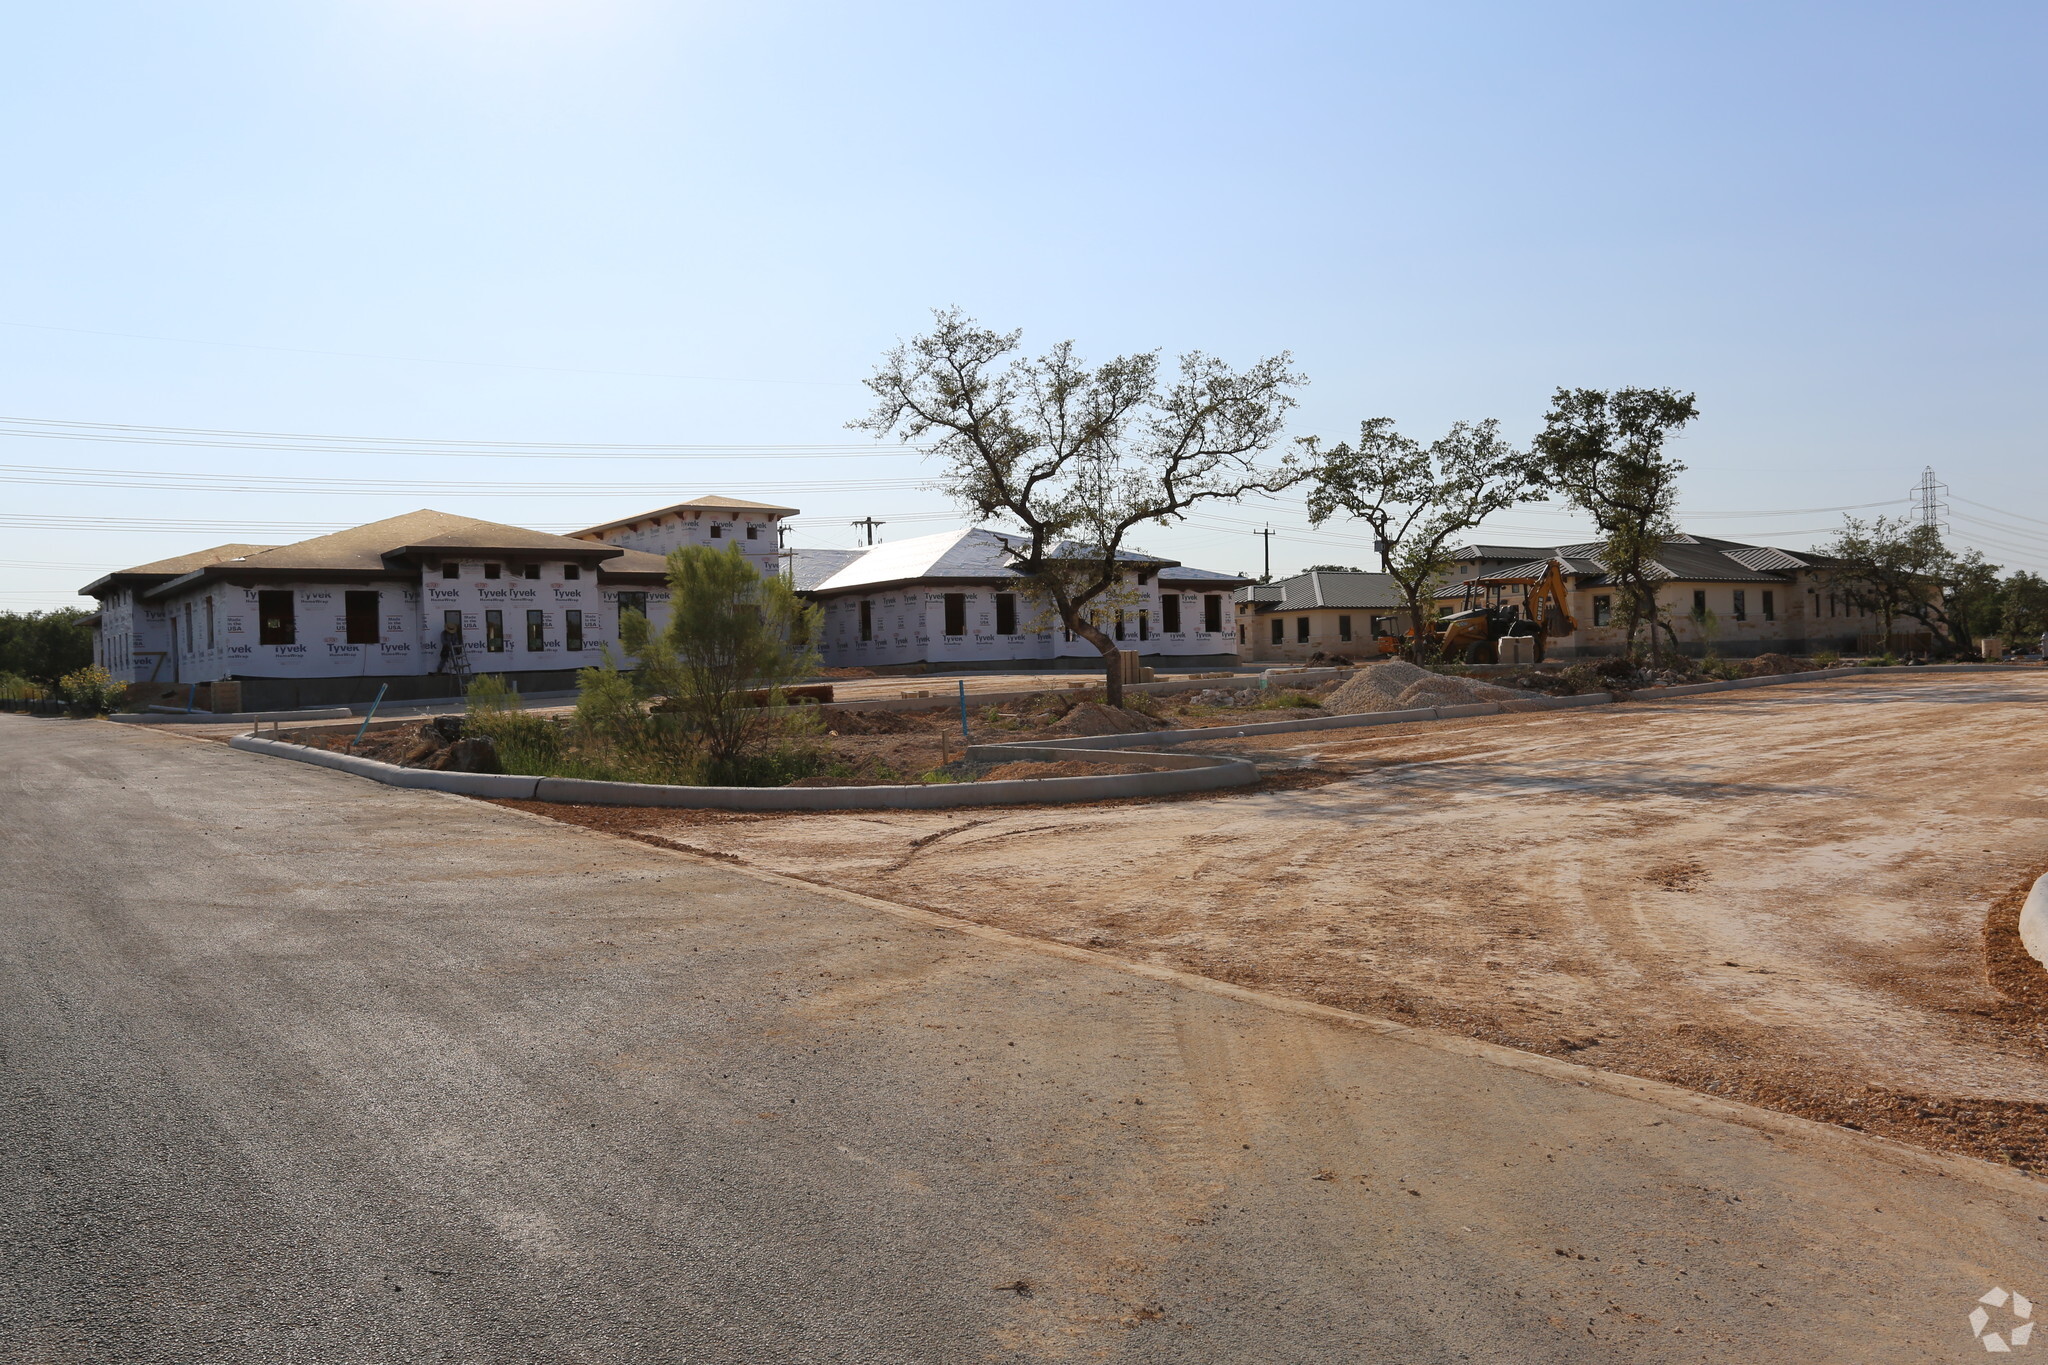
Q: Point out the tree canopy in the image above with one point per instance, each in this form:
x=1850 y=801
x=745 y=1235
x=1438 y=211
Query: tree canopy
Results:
x=1604 y=450
x=43 y=646
x=1419 y=500
x=1082 y=456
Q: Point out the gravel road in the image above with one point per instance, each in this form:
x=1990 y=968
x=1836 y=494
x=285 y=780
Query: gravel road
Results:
x=299 y=1068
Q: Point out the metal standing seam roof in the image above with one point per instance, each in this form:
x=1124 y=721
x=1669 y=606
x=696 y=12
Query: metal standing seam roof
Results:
x=973 y=555
x=1318 y=588
x=1517 y=553
x=1683 y=558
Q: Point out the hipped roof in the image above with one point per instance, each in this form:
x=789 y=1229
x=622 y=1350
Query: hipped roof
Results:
x=973 y=555
x=162 y=569
x=1355 y=591
x=708 y=503
x=1682 y=558
x=363 y=551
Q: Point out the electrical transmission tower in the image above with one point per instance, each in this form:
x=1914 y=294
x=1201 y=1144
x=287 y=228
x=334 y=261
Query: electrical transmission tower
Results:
x=1930 y=509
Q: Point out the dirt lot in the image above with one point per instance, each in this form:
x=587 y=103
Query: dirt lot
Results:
x=1801 y=897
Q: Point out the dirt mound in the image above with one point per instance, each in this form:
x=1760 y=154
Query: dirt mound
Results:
x=1398 y=685
x=1374 y=687
x=1093 y=718
x=1770 y=665
x=871 y=723
x=1003 y=772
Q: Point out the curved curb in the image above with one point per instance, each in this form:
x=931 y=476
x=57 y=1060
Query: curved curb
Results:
x=1172 y=775
x=1491 y=708
x=2034 y=921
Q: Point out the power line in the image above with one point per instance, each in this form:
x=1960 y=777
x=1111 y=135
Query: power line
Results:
x=70 y=476
x=429 y=360
x=217 y=438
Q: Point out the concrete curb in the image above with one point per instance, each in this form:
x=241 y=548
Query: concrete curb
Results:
x=1173 y=774
x=390 y=774
x=1488 y=708
x=232 y=717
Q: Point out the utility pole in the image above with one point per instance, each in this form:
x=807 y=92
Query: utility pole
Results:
x=1927 y=501
x=1267 y=577
x=870 y=523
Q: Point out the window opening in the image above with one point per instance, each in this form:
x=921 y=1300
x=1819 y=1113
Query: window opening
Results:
x=1344 y=629
x=572 y=628
x=1006 y=613
x=450 y=569
x=493 y=570
x=276 y=618
x=1169 y=613
x=536 y=631
x=494 y=632
x=1212 y=613
x=572 y=572
x=359 y=614
x=1603 y=608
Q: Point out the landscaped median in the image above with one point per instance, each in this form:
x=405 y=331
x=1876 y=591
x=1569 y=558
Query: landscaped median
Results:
x=1167 y=775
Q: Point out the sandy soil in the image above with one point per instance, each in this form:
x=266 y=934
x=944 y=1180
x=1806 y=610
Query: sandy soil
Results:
x=1801 y=896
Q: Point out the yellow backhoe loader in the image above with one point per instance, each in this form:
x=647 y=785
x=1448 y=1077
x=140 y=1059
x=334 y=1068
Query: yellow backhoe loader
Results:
x=1496 y=607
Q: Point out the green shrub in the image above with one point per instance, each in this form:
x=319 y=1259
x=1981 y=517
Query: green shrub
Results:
x=14 y=687
x=1827 y=658
x=91 y=690
x=1285 y=701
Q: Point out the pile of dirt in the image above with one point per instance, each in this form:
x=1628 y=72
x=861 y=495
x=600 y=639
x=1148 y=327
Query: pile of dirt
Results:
x=1093 y=718
x=1398 y=685
x=1771 y=665
x=1004 y=772
x=873 y=723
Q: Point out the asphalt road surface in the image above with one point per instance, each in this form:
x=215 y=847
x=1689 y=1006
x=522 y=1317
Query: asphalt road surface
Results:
x=299 y=1068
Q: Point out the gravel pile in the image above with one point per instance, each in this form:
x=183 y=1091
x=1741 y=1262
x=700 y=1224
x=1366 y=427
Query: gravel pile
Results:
x=1398 y=685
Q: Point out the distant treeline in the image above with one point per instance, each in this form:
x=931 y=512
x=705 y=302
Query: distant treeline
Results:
x=44 y=645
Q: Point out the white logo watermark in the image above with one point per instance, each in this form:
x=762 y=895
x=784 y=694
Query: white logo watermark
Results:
x=2015 y=1324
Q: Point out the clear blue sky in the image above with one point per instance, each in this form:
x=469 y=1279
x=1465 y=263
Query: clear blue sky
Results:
x=602 y=221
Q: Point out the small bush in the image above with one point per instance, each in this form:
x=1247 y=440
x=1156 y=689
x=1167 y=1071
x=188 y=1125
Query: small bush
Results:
x=1285 y=701
x=91 y=690
x=14 y=687
x=1827 y=658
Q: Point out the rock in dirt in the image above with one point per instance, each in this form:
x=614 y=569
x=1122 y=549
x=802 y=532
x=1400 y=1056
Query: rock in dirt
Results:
x=1093 y=718
x=477 y=754
x=872 y=723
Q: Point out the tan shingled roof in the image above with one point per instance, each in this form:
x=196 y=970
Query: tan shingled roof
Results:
x=708 y=503
x=634 y=562
x=175 y=565
x=362 y=549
